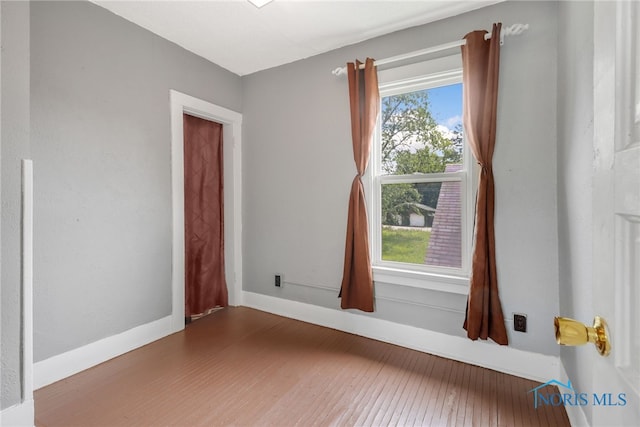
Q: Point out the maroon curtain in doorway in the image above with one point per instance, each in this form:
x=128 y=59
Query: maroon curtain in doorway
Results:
x=205 y=286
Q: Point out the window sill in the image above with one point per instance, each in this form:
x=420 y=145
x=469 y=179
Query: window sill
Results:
x=422 y=280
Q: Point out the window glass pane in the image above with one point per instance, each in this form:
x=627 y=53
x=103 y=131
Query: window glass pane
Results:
x=422 y=131
x=421 y=223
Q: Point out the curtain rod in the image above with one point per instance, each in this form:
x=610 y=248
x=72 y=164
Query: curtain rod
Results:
x=513 y=30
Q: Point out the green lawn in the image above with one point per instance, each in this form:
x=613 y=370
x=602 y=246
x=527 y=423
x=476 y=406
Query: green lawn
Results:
x=404 y=245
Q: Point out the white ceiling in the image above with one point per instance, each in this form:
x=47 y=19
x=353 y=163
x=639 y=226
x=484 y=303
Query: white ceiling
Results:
x=244 y=39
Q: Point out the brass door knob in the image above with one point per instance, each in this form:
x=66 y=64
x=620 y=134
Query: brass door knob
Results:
x=572 y=332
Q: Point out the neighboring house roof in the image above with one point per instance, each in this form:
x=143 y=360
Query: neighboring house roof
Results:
x=419 y=206
x=423 y=207
x=445 y=247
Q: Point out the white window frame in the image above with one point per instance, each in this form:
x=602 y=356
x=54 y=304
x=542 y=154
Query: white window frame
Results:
x=424 y=75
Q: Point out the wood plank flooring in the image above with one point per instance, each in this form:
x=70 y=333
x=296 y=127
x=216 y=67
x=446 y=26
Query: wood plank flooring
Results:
x=242 y=367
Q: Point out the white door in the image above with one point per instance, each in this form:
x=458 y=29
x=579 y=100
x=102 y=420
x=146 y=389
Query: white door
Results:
x=616 y=210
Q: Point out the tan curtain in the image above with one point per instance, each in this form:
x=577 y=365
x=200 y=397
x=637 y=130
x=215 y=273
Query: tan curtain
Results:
x=480 y=66
x=364 y=98
x=205 y=284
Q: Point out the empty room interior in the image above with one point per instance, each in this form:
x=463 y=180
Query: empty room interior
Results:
x=320 y=213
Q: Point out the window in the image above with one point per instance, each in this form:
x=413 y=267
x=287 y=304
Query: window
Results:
x=420 y=179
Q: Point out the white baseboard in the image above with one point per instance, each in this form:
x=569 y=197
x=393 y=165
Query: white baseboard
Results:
x=21 y=415
x=538 y=367
x=524 y=364
x=577 y=417
x=66 y=364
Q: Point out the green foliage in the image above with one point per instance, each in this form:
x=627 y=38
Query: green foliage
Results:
x=411 y=140
x=429 y=193
x=404 y=245
x=457 y=138
x=397 y=202
x=432 y=158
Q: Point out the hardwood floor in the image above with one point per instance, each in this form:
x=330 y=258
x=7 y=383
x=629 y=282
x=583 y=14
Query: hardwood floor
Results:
x=243 y=367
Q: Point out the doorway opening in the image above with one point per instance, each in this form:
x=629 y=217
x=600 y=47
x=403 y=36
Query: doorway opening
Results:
x=231 y=134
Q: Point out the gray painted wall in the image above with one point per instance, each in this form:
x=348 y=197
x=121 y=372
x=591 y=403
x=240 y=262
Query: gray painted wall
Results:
x=101 y=147
x=15 y=146
x=298 y=167
x=575 y=159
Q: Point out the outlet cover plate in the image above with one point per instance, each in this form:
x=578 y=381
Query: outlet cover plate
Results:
x=519 y=322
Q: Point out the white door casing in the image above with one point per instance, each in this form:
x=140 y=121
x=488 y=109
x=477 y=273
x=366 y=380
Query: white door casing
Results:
x=616 y=210
x=232 y=151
